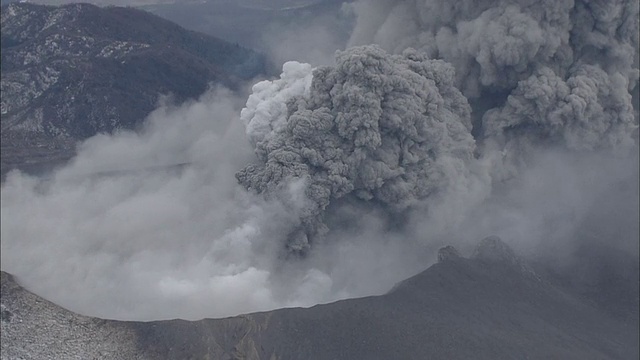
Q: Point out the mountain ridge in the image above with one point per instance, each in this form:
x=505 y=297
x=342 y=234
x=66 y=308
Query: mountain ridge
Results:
x=73 y=71
x=456 y=309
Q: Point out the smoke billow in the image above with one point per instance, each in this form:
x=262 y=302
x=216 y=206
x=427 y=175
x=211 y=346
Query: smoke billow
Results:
x=444 y=123
x=563 y=69
x=390 y=130
x=588 y=111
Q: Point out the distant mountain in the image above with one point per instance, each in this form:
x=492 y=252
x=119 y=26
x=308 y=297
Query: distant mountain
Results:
x=7 y=2
x=73 y=71
x=490 y=306
x=277 y=4
x=250 y=22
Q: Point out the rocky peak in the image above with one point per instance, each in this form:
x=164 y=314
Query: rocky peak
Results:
x=493 y=250
x=448 y=253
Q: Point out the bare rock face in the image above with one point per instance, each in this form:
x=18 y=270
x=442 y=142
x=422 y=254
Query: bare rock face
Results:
x=448 y=253
x=33 y=328
x=73 y=71
x=493 y=250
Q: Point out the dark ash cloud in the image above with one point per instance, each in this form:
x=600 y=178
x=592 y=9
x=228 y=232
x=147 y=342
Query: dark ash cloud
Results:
x=391 y=130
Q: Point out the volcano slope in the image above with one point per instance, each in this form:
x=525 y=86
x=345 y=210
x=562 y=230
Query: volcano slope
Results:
x=73 y=71
x=489 y=306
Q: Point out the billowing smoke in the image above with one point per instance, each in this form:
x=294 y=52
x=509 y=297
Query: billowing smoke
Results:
x=394 y=130
x=588 y=111
x=391 y=130
x=468 y=118
x=550 y=71
x=498 y=43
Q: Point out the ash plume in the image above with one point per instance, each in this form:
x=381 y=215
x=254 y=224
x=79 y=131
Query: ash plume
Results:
x=562 y=70
x=390 y=130
x=588 y=111
x=516 y=75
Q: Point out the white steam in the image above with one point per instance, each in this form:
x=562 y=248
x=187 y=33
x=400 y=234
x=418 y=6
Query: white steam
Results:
x=154 y=226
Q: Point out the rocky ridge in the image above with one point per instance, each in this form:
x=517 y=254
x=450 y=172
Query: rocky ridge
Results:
x=73 y=71
x=484 y=307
